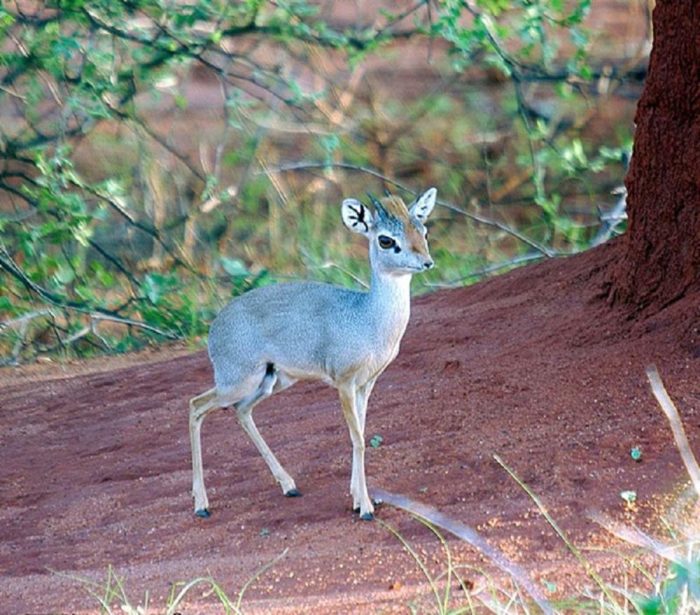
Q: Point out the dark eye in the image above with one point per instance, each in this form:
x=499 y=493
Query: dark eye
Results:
x=386 y=242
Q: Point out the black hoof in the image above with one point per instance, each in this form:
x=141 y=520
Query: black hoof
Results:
x=367 y=517
x=377 y=503
x=293 y=493
x=203 y=513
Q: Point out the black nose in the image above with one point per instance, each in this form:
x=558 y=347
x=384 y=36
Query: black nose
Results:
x=428 y=264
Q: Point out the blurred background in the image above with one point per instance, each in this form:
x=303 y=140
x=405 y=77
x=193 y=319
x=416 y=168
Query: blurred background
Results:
x=160 y=157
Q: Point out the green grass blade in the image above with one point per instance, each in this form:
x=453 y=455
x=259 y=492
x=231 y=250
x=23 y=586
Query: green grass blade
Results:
x=590 y=571
x=416 y=557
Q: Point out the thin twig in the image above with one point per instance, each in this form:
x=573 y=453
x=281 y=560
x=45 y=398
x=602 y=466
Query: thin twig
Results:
x=20 y=321
x=635 y=536
x=13 y=269
x=134 y=323
x=310 y=166
x=565 y=539
x=150 y=230
x=469 y=535
x=671 y=412
x=611 y=219
x=484 y=271
x=21 y=324
x=7 y=264
x=503 y=227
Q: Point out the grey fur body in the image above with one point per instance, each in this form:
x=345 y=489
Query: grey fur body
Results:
x=281 y=325
x=271 y=337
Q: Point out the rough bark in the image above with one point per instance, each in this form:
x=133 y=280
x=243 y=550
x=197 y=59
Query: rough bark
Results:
x=660 y=253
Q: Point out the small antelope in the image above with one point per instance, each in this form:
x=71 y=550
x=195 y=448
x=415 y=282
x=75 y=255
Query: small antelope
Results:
x=267 y=339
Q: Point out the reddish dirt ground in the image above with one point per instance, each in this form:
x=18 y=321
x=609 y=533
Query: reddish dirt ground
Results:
x=533 y=365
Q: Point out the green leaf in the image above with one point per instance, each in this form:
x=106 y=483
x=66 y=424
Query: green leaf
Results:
x=629 y=496
x=496 y=7
x=181 y=101
x=6 y=20
x=651 y=606
x=5 y=304
x=82 y=233
x=65 y=47
x=65 y=275
x=549 y=586
x=151 y=288
x=376 y=441
x=234 y=266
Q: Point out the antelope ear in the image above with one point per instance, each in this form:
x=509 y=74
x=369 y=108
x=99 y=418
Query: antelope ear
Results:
x=356 y=216
x=424 y=204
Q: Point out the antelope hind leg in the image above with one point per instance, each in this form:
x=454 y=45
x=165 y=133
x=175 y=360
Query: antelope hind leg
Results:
x=200 y=406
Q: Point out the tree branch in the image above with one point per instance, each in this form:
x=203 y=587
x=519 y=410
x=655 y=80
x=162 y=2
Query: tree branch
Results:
x=310 y=166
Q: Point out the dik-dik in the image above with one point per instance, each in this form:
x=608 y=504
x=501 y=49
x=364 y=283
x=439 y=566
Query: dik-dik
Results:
x=269 y=338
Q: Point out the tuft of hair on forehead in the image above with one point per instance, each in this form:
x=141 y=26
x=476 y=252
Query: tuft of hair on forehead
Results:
x=396 y=208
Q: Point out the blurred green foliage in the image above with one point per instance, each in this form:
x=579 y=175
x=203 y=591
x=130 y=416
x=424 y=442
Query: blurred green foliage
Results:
x=160 y=157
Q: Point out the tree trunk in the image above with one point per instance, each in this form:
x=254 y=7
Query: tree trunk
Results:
x=660 y=253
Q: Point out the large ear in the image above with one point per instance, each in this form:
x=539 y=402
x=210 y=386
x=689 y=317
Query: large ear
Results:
x=424 y=204
x=356 y=216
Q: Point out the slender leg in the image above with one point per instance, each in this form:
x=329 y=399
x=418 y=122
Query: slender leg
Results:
x=363 y=393
x=244 y=411
x=358 y=486
x=200 y=406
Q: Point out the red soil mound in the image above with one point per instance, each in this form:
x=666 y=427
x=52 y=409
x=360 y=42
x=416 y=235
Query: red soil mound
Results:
x=533 y=365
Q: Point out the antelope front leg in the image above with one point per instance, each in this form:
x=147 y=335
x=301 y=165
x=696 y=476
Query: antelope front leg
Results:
x=363 y=393
x=358 y=483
